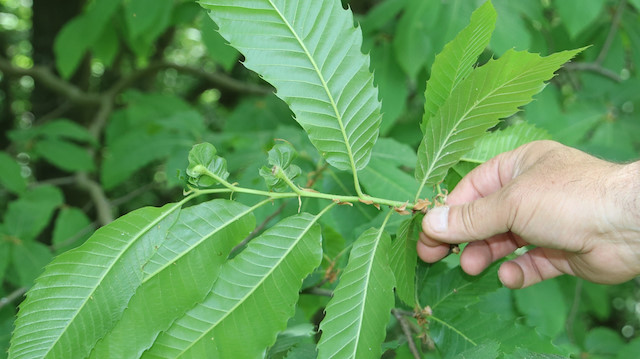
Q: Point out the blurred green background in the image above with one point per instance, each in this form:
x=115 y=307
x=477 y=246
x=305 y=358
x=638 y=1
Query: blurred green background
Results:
x=101 y=100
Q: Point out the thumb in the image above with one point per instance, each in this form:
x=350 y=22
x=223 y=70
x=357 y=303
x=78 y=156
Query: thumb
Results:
x=476 y=220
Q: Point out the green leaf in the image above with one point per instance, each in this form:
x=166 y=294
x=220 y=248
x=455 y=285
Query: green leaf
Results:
x=380 y=179
x=454 y=290
x=219 y=50
x=403 y=259
x=146 y=20
x=603 y=341
x=11 y=178
x=280 y=158
x=65 y=155
x=202 y=161
x=632 y=348
x=107 y=46
x=292 y=337
x=74 y=302
x=72 y=227
x=394 y=153
x=141 y=14
x=5 y=253
x=310 y=51
x=412 y=43
x=28 y=260
x=65 y=129
x=577 y=15
x=30 y=214
x=486 y=350
x=531 y=354
x=253 y=297
x=468 y=328
x=505 y=140
x=151 y=128
x=181 y=272
x=455 y=62
x=493 y=91
x=77 y=35
x=357 y=315
x=391 y=82
x=544 y=307
x=134 y=150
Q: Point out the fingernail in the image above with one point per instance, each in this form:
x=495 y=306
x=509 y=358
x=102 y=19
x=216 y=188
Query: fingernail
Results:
x=438 y=219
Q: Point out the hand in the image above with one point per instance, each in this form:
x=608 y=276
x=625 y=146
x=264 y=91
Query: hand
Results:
x=581 y=213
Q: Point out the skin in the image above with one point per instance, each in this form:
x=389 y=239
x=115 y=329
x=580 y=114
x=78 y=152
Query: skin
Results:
x=581 y=214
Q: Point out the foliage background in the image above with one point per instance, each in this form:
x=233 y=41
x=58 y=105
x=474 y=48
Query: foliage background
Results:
x=98 y=112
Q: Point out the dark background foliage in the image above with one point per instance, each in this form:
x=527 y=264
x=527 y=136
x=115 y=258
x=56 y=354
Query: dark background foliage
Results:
x=98 y=112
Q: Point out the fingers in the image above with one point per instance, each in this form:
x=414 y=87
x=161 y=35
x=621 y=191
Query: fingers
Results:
x=431 y=251
x=485 y=179
x=528 y=269
x=472 y=221
x=477 y=256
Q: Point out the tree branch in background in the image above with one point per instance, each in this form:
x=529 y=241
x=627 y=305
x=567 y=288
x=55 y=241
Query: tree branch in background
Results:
x=593 y=67
x=596 y=66
x=47 y=78
x=406 y=329
x=16 y=294
x=615 y=24
x=259 y=228
x=103 y=206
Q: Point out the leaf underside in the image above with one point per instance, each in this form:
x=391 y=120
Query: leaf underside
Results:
x=83 y=292
x=403 y=259
x=253 y=298
x=310 y=52
x=356 y=316
x=181 y=273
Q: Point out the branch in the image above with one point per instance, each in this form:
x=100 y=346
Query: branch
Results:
x=317 y=291
x=593 y=67
x=103 y=207
x=615 y=24
x=259 y=228
x=217 y=80
x=12 y=296
x=51 y=81
x=406 y=329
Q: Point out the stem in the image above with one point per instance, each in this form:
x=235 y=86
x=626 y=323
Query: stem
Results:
x=453 y=329
x=12 y=296
x=615 y=24
x=406 y=329
x=297 y=193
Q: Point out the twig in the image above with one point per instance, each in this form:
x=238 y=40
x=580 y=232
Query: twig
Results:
x=131 y=195
x=259 y=228
x=406 y=329
x=574 y=310
x=613 y=29
x=317 y=291
x=51 y=81
x=218 y=80
x=104 y=111
x=12 y=296
x=90 y=227
x=103 y=207
x=593 y=67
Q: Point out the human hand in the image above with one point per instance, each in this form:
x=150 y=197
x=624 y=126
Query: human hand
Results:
x=581 y=213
